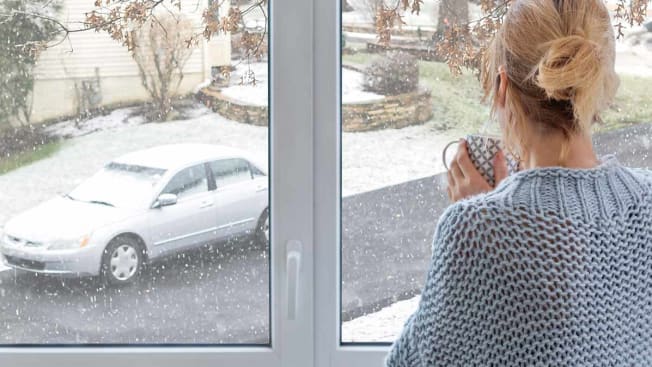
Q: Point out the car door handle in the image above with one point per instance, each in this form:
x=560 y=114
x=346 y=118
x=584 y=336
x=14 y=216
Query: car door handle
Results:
x=205 y=204
x=261 y=188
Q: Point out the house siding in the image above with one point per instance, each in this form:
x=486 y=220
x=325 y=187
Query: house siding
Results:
x=91 y=55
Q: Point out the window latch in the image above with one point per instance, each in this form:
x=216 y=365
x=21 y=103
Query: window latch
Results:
x=293 y=266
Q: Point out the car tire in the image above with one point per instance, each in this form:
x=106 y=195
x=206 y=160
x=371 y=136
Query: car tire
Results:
x=262 y=230
x=122 y=261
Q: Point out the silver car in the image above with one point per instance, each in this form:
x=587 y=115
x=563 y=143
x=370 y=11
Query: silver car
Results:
x=139 y=207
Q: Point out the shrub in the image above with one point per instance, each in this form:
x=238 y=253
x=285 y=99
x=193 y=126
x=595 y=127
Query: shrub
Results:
x=161 y=54
x=16 y=140
x=24 y=30
x=395 y=73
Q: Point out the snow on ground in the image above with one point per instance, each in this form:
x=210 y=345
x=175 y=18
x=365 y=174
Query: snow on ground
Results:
x=376 y=159
x=371 y=160
x=243 y=90
x=352 y=88
x=634 y=53
x=382 y=326
x=256 y=95
x=117 y=119
x=80 y=157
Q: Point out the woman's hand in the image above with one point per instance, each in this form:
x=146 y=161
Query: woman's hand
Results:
x=464 y=180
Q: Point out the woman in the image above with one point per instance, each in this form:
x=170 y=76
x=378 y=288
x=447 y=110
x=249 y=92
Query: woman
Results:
x=554 y=265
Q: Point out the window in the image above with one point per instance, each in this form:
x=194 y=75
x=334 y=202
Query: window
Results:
x=105 y=130
x=391 y=169
x=221 y=301
x=189 y=181
x=354 y=179
x=230 y=171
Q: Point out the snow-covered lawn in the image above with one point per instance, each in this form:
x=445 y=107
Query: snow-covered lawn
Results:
x=382 y=326
x=245 y=92
x=80 y=157
x=371 y=160
x=376 y=159
x=634 y=59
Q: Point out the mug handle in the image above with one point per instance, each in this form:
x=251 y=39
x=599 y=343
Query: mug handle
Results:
x=446 y=150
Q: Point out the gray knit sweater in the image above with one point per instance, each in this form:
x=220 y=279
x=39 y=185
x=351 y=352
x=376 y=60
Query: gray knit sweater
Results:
x=553 y=268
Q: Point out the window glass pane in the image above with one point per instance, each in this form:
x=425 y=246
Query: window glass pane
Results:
x=401 y=107
x=111 y=230
x=230 y=171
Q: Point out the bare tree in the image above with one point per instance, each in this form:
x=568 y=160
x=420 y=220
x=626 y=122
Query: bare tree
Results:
x=161 y=52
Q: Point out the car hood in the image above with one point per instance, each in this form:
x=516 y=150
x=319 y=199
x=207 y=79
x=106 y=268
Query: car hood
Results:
x=62 y=219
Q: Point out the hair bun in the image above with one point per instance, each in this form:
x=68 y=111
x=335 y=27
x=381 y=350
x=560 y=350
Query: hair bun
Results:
x=571 y=64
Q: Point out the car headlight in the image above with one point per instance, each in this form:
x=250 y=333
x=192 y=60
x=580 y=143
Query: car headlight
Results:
x=70 y=244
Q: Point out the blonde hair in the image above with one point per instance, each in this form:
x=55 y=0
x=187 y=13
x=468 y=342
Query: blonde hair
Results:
x=559 y=59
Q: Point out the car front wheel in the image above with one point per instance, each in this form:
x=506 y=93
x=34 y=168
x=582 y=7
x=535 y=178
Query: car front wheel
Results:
x=122 y=261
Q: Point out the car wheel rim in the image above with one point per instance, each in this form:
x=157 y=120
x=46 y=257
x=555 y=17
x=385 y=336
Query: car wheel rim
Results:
x=124 y=262
x=266 y=229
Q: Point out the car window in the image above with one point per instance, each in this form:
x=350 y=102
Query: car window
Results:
x=187 y=182
x=230 y=171
x=256 y=172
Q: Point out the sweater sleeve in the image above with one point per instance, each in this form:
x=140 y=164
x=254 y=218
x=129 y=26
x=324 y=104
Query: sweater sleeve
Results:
x=405 y=351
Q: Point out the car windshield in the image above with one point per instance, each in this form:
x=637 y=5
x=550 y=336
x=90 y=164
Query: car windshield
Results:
x=119 y=185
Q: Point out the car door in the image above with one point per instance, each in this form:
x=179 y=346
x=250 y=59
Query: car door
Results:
x=235 y=196
x=192 y=220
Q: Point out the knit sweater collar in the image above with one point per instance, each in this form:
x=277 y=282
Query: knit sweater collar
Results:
x=605 y=191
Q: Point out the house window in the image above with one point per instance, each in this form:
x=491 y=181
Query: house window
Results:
x=393 y=175
x=325 y=259
x=146 y=261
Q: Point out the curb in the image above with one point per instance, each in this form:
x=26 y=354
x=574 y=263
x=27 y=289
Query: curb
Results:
x=355 y=312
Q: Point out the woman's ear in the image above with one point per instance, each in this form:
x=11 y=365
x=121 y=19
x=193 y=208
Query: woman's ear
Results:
x=501 y=96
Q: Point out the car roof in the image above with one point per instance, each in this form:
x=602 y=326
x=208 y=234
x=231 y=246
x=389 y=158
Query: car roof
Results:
x=175 y=156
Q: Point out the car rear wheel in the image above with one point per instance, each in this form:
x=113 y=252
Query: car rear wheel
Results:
x=262 y=230
x=122 y=261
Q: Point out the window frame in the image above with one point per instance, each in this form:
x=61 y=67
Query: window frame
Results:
x=290 y=164
x=327 y=144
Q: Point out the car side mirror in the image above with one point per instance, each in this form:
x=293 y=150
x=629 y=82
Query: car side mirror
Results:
x=166 y=200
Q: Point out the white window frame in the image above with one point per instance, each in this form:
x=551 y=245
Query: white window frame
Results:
x=291 y=164
x=327 y=174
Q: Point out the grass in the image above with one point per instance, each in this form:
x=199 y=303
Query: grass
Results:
x=632 y=104
x=18 y=160
x=456 y=99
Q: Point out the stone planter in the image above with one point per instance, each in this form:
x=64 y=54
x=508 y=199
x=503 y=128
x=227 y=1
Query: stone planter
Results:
x=391 y=112
x=232 y=109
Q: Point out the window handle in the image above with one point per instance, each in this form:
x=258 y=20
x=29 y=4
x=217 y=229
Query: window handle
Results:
x=293 y=267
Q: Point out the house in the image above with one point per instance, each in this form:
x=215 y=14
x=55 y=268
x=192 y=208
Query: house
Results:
x=91 y=70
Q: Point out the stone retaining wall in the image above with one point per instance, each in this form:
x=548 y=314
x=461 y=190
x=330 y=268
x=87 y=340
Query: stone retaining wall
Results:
x=426 y=34
x=390 y=112
x=233 y=110
x=422 y=53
